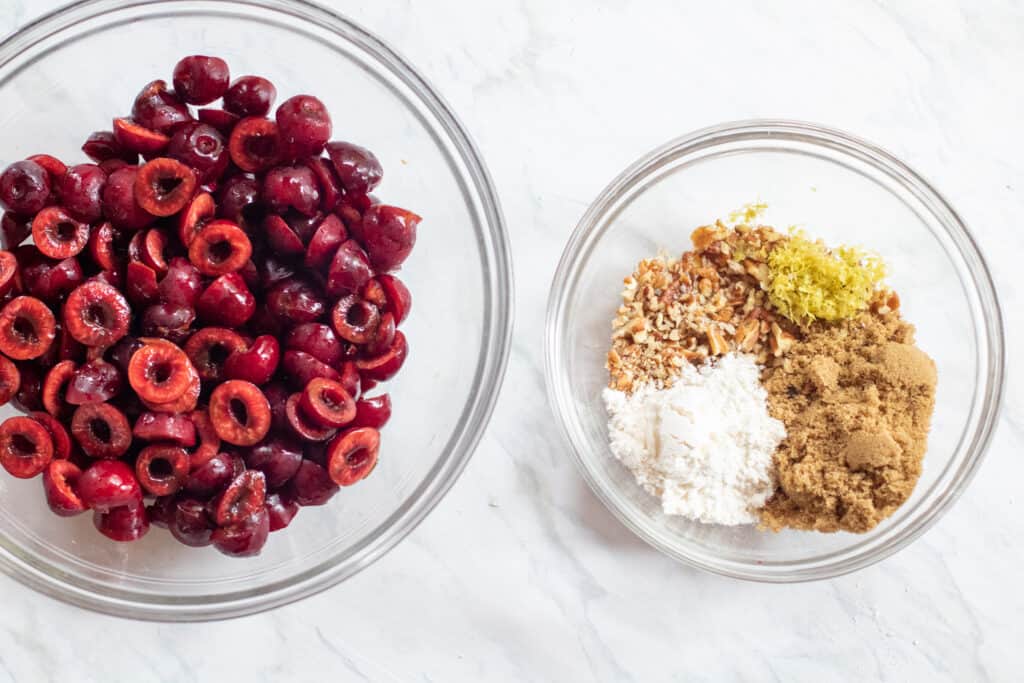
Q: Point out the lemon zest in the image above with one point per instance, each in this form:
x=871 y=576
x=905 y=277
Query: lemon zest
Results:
x=748 y=213
x=808 y=281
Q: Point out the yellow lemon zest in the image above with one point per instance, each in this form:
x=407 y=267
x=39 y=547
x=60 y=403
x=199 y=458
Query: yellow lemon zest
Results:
x=748 y=213
x=808 y=281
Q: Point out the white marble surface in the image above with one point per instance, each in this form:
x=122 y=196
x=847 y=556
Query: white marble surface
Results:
x=520 y=574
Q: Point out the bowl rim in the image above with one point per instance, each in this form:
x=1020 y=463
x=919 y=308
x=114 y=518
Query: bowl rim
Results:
x=490 y=373
x=643 y=170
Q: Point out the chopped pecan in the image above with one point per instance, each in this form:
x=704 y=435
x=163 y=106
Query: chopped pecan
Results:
x=716 y=340
x=780 y=340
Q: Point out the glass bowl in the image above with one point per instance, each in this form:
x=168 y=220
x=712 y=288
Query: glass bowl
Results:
x=68 y=74
x=842 y=189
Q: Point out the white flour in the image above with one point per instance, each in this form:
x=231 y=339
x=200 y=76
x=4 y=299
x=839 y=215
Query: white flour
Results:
x=705 y=445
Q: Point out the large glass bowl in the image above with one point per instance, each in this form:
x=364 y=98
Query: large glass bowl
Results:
x=842 y=189
x=68 y=74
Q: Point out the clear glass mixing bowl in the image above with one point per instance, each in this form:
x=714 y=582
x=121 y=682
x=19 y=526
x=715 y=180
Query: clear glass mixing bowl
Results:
x=842 y=189
x=68 y=74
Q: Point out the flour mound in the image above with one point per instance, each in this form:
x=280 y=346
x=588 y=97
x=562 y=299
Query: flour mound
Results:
x=704 y=446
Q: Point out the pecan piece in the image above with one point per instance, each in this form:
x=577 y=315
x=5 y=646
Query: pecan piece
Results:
x=780 y=341
x=717 y=342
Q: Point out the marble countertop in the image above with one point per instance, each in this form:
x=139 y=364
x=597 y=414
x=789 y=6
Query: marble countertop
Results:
x=560 y=96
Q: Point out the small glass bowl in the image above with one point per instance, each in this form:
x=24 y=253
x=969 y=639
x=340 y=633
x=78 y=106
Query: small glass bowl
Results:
x=845 y=190
x=68 y=74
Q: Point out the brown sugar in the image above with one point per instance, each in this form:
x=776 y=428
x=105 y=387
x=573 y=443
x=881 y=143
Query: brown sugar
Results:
x=856 y=398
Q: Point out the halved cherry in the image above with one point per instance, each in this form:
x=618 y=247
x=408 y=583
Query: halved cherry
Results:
x=353 y=455
x=135 y=247
x=109 y=484
x=374 y=293
x=355 y=319
x=96 y=314
x=9 y=278
x=301 y=368
x=55 y=168
x=325 y=242
x=277 y=395
x=120 y=202
x=253 y=144
x=140 y=283
x=349 y=269
x=372 y=412
x=10 y=380
x=358 y=168
x=114 y=278
x=159 y=373
x=208 y=437
x=302 y=425
x=303 y=225
x=111 y=165
x=134 y=138
x=162 y=469
x=296 y=301
x=388 y=234
x=101 y=246
x=209 y=349
x=61 y=438
x=55 y=388
x=26 y=447
x=316 y=339
x=181 y=284
x=43 y=277
x=60 y=480
x=200 y=211
x=103 y=146
x=95 y=381
x=226 y=301
x=385 y=366
x=281 y=508
x=27 y=328
x=160 y=511
x=280 y=235
x=122 y=524
x=158 y=108
x=175 y=428
x=243 y=498
x=222 y=120
x=184 y=403
x=220 y=248
x=211 y=472
x=348 y=214
x=240 y=412
x=244 y=539
x=327 y=403
x=351 y=380
x=383 y=337
x=163 y=186
x=256 y=363
x=153 y=246
x=57 y=234
x=331 y=191
x=188 y=521
x=101 y=430
x=311 y=485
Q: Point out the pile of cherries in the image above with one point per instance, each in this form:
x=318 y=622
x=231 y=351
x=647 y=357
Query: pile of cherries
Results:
x=191 y=334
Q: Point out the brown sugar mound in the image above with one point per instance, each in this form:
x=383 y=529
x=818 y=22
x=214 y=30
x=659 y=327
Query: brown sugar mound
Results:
x=856 y=398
